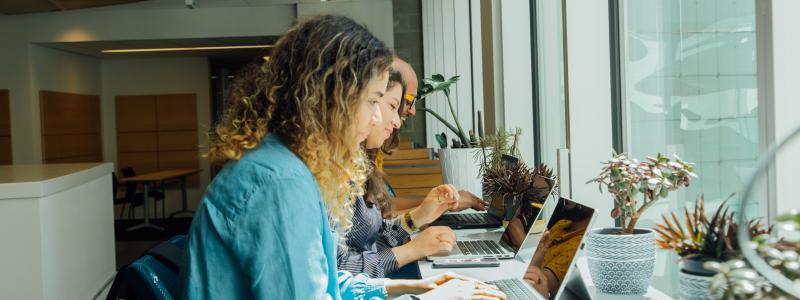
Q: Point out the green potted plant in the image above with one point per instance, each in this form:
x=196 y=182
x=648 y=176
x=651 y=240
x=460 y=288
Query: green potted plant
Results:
x=626 y=249
x=703 y=240
x=460 y=167
x=437 y=83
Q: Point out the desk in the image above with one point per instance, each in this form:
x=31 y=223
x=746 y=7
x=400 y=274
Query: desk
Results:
x=161 y=176
x=516 y=267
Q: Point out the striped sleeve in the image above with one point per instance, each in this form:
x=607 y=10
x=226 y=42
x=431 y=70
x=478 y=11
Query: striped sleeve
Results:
x=392 y=234
x=376 y=264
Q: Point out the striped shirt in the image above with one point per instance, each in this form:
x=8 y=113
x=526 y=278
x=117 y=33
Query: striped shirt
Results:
x=370 y=241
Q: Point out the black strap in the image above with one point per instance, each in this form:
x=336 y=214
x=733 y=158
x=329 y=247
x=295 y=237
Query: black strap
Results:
x=170 y=255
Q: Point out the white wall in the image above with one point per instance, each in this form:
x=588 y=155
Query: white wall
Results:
x=148 y=76
x=778 y=89
x=56 y=70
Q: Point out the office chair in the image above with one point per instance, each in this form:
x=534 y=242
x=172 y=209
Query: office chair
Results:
x=157 y=195
x=122 y=200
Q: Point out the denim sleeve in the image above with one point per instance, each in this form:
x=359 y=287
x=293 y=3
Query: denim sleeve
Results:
x=360 y=287
x=280 y=248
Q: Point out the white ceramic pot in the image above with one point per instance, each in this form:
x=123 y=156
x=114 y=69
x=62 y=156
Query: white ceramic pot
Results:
x=621 y=264
x=461 y=168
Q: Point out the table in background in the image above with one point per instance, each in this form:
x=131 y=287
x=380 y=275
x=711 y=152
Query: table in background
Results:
x=161 y=176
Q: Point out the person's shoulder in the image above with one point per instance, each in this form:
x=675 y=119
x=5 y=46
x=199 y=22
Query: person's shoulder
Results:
x=273 y=158
x=270 y=168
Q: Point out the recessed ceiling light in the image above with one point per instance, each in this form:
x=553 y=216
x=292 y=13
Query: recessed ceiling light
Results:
x=185 y=49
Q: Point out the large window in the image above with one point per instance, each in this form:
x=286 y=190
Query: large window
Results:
x=548 y=38
x=688 y=86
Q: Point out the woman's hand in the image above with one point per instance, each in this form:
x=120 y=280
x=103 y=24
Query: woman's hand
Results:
x=444 y=286
x=458 y=289
x=469 y=200
x=438 y=200
x=432 y=240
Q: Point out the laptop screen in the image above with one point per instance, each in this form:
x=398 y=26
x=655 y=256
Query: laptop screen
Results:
x=557 y=247
x=527 y=215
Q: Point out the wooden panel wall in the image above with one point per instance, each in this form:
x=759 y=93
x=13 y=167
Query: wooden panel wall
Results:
x=5 y=128
x=70 y=127
x=157 y=132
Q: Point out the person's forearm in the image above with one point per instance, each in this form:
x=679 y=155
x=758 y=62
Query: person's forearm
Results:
x=404 y=255
x=399 y=287
x=405 y=203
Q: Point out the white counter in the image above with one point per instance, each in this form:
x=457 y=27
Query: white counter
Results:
x=56 y=231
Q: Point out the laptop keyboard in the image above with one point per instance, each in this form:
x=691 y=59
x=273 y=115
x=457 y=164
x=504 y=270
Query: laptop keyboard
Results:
x=470 y=219
x=480 y=247
x=514 y=289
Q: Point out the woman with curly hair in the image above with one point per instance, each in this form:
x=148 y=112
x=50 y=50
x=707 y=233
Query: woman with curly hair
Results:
x=289 y=143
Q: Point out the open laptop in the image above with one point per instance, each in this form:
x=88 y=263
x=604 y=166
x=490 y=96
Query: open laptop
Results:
x=493 y=217
x=517 y=232
x=568 y=227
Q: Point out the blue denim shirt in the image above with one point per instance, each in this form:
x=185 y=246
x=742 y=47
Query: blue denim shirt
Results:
x=262 y=232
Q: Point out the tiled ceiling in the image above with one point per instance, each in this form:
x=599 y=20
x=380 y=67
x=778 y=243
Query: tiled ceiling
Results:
x=14 y=7
x=94 y=48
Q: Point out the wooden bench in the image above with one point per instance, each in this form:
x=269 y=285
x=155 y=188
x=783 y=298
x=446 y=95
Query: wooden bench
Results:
x=411 y=172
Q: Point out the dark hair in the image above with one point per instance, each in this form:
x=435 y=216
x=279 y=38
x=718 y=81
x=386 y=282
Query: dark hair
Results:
x=393 y=142
x=375 y=192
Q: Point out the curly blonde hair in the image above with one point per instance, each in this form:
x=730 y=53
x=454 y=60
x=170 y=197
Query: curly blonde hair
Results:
x=308 y=93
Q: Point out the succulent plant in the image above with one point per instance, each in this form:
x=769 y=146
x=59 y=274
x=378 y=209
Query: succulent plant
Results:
x=653 y=179
x=517 y=181
x=736 y=279
x=713 y=238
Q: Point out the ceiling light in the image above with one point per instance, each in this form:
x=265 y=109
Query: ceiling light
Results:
x=184 y=49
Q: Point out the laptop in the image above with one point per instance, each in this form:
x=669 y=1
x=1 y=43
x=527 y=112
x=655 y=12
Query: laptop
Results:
x=524 y=224
x=493 y=217
x=568 y=227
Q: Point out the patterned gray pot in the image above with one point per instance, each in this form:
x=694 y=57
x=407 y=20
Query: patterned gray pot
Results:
x=621 y=264
x=694 y=287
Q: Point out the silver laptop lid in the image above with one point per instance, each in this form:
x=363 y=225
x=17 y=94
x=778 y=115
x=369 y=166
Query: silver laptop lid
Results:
x=526 y=216
x=555 y=254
